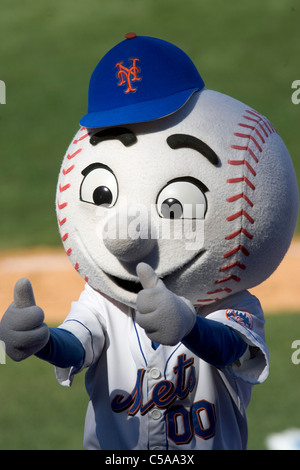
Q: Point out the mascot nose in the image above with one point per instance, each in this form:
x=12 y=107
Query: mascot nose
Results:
x=129 y=238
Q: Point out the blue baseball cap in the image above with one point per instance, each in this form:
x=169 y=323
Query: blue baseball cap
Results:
x=140 y=79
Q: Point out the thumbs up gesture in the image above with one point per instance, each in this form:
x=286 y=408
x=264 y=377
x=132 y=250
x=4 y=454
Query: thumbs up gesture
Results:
x=22 y=328
x=165 y=317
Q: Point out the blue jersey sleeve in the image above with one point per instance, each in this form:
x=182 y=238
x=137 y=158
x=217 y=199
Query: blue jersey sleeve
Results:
x=63 y=349
x=215 y=343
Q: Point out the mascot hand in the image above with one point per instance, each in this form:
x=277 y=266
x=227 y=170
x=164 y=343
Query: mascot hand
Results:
x=164 y=316
x=22 y=328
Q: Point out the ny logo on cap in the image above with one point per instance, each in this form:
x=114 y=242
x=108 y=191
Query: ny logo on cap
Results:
x=128 y=75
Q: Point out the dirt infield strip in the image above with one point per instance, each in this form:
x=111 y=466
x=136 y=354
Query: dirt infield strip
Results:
x=56 y=284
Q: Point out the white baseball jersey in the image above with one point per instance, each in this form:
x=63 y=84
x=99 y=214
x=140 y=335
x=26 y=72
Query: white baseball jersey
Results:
x=168 y=398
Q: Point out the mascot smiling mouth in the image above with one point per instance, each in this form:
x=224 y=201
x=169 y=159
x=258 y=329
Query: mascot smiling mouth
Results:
x=135 y=286
x=131 y=286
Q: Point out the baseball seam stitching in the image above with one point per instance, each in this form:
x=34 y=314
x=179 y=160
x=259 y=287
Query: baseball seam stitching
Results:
x=259 y=130
x=61 y=205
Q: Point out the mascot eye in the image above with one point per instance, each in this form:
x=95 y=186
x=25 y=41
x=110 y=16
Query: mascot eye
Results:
x=99 y=186
x=182 y=198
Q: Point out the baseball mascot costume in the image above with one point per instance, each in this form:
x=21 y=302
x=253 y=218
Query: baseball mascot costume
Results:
x=172 y=201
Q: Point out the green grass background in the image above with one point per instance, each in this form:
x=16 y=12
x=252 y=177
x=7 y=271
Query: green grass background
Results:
x=48 y=49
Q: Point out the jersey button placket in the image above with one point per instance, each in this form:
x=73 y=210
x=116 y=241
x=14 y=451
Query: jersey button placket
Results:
x=156 y=422
x=155 y=373
x=155 y=414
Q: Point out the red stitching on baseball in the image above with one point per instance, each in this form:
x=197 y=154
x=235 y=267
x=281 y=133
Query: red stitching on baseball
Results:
x=258 y=122
x=250 y=137
x=239 y=196
x=240 y=180
x=267 y=123
x=238 y=232
x=206 y=300
x=253 y=129
x=248 y=149
x=240 y=213
x=76 y=265
x=260 y=129
x=233 y=277
x=232 y=265
x=81 y=138
x=65 y=172
x=64 y=188
x=62 y=222
x=61 y=206
x=72 y=155
x=243 y=162
x=235 y=250
x=226 y=289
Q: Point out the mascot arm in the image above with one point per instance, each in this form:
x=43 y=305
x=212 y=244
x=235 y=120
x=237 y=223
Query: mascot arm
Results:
x=217 y=344
x=210 y=340
x=63 y=349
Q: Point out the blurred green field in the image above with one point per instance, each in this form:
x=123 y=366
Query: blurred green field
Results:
x=275 y=403
x=249 y=50
x=48 y=49
x=38 y=414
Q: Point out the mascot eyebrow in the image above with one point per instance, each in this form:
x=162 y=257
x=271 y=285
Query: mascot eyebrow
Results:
x=122 y=134
x=177 y=141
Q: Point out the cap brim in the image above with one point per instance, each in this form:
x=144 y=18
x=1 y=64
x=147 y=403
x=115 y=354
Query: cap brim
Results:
x=141 y=112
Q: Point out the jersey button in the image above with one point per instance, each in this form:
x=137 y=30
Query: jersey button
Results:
x=155 y=373
x=156 y=414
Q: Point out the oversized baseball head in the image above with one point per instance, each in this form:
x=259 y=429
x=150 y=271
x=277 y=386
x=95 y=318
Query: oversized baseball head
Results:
x=191 y=181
